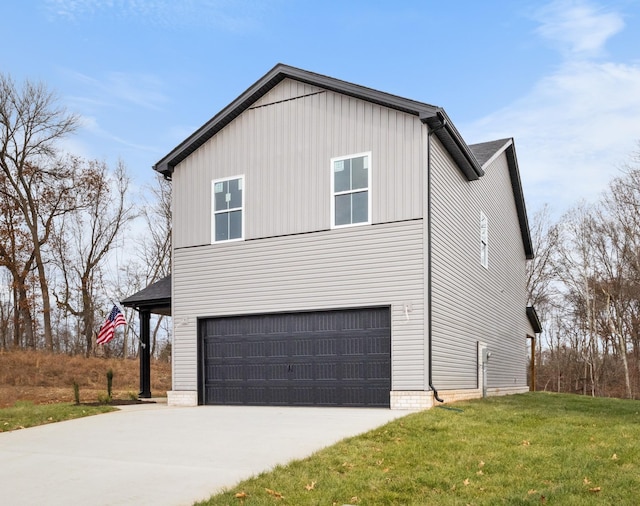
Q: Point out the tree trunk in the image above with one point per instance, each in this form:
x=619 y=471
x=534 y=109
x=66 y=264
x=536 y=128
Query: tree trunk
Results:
x=16 y=317
x=4 y=326
x=26 y=319
x=46 y=302
x=625 y=365
x=88 y=321
x=156 y=329
x=617 y=334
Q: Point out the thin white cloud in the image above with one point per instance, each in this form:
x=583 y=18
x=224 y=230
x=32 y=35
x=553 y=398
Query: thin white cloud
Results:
x=577 y=126
x=228 y=15
x=579 y=29
x=141 y=90
x=92 y=125
x=109 y=147
x=107 y=106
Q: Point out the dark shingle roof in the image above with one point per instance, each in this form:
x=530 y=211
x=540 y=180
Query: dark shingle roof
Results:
x=485 y=150
x=156 y=297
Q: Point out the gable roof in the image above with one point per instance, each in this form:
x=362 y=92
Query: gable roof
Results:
x=470 y=159
x=434 y=116
x=486 y=153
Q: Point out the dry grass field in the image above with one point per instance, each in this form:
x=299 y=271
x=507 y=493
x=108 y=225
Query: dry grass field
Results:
x=45 y=378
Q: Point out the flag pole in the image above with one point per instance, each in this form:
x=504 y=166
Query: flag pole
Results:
x=132 y=331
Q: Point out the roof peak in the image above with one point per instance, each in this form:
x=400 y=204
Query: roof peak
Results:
x=426 y=112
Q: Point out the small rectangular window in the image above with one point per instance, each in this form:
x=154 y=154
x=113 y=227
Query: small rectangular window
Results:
x=484 y=241
x=228 y=209
x=350 y=184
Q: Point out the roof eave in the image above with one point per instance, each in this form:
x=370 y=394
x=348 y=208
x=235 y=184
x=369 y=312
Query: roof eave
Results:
x=156 y=297
x=516 y=184
x=448 y=134
x=489 y=152
x=167 y=164
x=534 y=320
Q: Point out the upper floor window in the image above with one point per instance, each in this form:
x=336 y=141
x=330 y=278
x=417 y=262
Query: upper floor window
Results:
x=484 y=241
x=350 y=184
x=228 y=209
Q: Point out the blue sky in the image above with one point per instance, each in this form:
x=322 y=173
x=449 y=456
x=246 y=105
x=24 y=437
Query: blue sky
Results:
x=561 y=77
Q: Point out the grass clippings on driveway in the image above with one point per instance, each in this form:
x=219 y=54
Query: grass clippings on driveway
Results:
x=524 y=449
x=25 y=414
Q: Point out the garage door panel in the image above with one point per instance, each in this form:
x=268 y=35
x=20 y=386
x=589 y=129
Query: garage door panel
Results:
x=257 y=372
x=301 y=371
x=255 y=349
x=352 y=371
x=255 y=395
x=228 y=395
x=354 y=396
x=302 y=396
x=278 y=372
x=302 y=347
x=277 y=395
x=329 y=358
x=326 y=347
x=379 y=345
x=279 y=348
x=326 y=372
x=353 y=346
x=378 y=370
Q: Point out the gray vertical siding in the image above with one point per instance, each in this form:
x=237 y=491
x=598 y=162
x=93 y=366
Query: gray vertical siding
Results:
x=283 y=146
x=359 y=267
x=471 y=303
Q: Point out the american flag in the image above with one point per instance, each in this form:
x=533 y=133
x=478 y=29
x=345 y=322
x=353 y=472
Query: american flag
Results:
x=107 y=331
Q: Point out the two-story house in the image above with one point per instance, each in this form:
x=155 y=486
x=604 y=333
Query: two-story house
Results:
x=335 y=245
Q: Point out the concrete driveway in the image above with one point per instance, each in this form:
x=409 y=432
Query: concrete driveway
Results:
x=158 y=455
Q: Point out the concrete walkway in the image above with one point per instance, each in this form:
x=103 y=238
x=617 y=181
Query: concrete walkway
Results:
x=158 y=455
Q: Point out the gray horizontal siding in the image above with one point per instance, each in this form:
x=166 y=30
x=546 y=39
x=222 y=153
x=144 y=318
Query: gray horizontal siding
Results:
x=471 y=303
x=283 y=146
x=358 y=267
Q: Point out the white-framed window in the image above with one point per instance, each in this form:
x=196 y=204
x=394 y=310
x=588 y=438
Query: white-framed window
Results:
x=351 y=190
x=484 y=240
x=227 y=203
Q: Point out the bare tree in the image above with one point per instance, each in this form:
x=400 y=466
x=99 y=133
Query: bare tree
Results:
x=86 y=237
x=578 y=272
x=617 y=243
x=5 y=309
x=155 y=249
x=17 y=258
x=35 y=183
x=155 y=246
x=542 y=275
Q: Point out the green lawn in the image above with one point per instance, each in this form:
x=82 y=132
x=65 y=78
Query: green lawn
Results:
x=26 y=414
x=523 y=449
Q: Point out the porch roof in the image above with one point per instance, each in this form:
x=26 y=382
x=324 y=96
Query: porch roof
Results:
x=155 y=298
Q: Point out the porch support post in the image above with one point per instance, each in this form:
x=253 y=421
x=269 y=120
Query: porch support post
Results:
x=145 y=354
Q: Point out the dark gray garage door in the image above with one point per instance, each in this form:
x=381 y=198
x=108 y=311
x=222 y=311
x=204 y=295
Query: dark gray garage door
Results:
x=326 y=358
